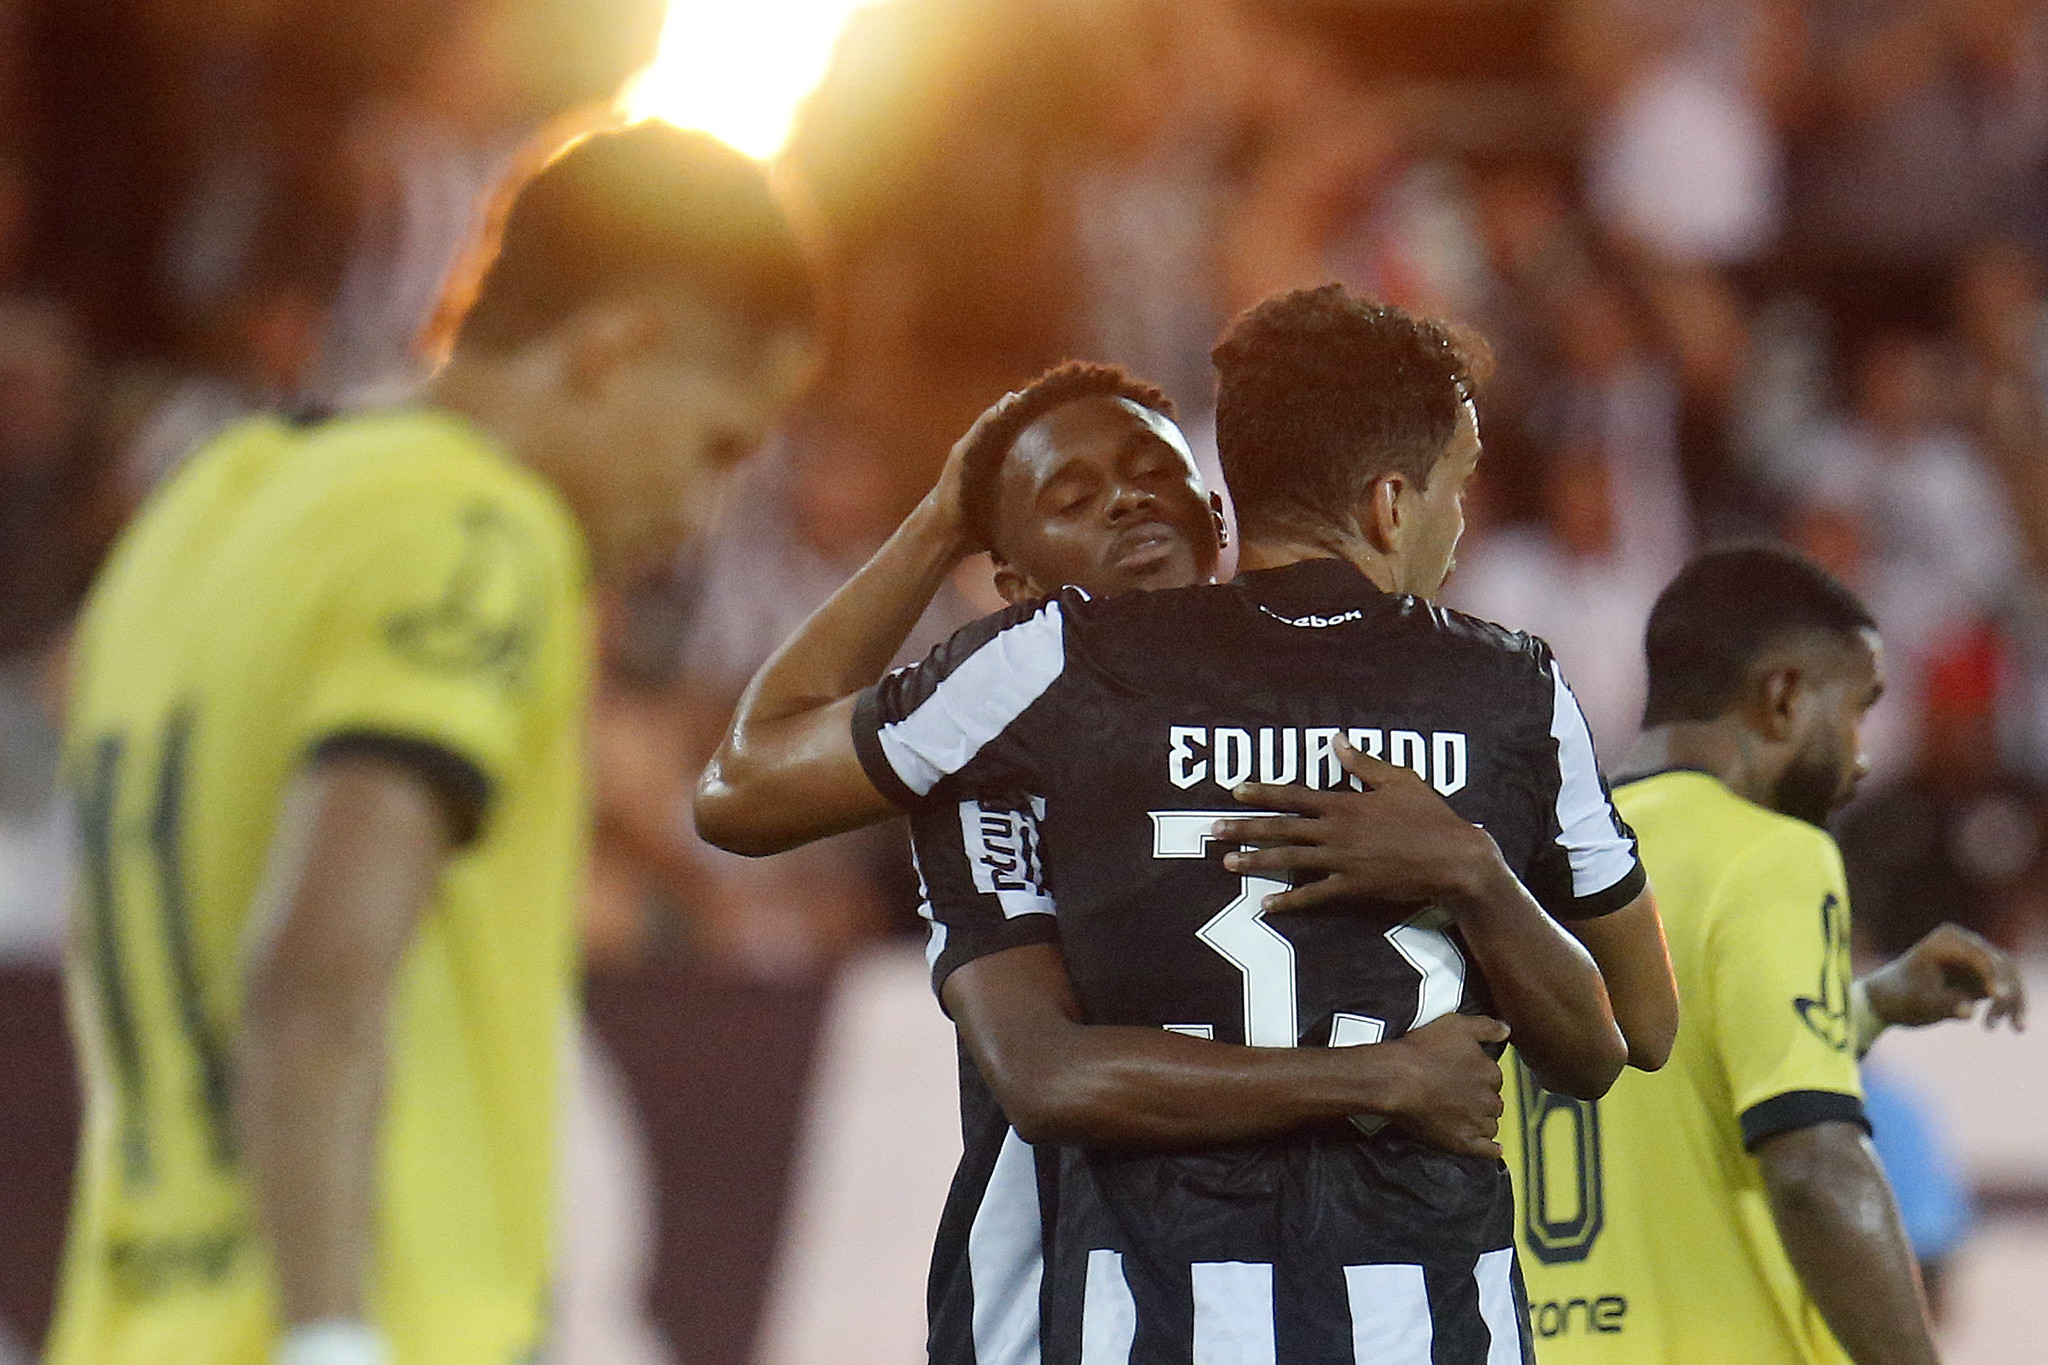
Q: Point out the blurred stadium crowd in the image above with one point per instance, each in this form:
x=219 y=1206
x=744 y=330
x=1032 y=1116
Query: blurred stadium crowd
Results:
x=1748 y=267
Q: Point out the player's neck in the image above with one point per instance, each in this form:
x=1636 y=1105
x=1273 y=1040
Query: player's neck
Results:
x=1722 y=749
x=1277 y=552
x=493 y=394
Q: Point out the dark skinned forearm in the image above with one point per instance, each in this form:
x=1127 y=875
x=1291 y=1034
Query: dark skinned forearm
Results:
x=1840 y=1226
x=1544 y=982
x=1062 y=1080
x=786 y=773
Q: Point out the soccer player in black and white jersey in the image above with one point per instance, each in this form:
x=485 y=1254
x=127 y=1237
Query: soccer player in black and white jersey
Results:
x=1148 y=522
x=1522 y=740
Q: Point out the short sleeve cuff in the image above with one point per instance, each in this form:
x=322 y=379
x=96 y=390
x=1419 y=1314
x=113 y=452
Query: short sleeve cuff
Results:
x=1615 y=897
x=867 y=746
x=960 y=949
x=1796 y=1109
x=459 y=783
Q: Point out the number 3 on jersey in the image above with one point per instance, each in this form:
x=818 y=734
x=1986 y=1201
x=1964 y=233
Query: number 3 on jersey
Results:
x=1239 y=934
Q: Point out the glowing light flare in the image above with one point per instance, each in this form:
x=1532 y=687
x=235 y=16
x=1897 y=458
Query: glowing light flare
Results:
x=737 y=69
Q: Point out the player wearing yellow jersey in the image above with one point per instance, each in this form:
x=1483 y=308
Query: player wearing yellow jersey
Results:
x=1730 y=1207
x=325 y=741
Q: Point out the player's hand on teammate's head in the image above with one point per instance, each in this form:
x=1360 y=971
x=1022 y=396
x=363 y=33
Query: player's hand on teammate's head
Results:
x=1450 y=1095
x=1944 y=976
x=1397 y=840
x=948 y=497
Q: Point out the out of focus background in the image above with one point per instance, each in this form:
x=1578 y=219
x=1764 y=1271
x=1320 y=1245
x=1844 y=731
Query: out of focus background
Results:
x=1749 y=268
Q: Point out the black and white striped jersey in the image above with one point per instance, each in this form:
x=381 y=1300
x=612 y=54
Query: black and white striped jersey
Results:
x=983 y=1299
x=1118 y=728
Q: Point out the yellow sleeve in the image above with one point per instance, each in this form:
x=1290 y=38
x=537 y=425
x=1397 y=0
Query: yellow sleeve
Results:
x=439 y=629
x=1779 y=973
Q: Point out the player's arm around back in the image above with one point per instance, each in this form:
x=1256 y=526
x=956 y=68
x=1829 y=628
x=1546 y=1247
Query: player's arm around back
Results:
x=1059 y=1079
x=360 y=843
x=1835 y=1213
x=1399 y=840
x=786 y=772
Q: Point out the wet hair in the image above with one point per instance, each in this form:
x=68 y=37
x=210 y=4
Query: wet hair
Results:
x=982 y=464
x=1319 y=393
x=1723 y=612
x=645 y=209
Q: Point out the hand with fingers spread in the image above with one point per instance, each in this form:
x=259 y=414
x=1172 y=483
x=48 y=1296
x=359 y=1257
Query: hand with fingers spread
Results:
x=1397 y=840
x=1451 y=1098
x=1944 y=976
x=946 y=502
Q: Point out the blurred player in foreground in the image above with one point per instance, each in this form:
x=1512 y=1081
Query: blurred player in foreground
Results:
x=1731 y=1208
x=326 y=744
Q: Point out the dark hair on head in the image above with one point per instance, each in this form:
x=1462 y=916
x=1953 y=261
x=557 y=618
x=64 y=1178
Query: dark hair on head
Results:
x=645 y=209
x=1319 y=393
x=981 y=465
x=1722 y=612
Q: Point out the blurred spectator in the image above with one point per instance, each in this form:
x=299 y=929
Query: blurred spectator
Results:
x=46 y=477
x=1683 y=156
x=423 y=158
x=1901 y=504
x=1563 y=579
x=34 y=824
x=2001 y=321
x=1929 y=130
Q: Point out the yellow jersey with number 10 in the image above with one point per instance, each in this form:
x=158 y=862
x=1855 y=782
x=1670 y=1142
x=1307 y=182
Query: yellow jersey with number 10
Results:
x=1643 y=1228
x=390 y=579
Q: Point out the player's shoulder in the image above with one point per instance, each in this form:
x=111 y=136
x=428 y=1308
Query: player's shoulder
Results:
x=1026 y=641
x=431 y=455
x=1479 y=637
x=1738 y=834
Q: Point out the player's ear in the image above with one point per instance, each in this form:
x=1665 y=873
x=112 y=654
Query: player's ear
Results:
x=605 y=336
x=1778 y=697
x=1219 y=521
x=1383 y=513
x=1012 y=585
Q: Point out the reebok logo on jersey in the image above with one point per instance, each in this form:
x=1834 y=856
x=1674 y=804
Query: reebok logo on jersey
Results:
x=1312 y=621
x=1827 y=1013
x=1283 y=754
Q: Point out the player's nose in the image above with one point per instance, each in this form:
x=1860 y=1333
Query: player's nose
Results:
x=1128 y=500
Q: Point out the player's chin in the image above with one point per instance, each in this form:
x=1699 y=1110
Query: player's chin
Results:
x=1176 y=569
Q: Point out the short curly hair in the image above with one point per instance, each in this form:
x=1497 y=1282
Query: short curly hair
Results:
x=1320 y=393
x=982 y=464
x=1723 y=612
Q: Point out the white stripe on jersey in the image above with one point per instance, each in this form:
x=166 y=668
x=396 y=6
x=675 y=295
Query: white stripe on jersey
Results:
x=976 y=701
x=1233 y=1313
x=1006 y=1259
x=1390 y=1322
x=1109 y=1315
x=1600 y=855
x=1497 y=1306
x=935 y=941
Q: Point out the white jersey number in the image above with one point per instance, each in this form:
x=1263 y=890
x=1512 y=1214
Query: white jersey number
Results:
x=1239 y=934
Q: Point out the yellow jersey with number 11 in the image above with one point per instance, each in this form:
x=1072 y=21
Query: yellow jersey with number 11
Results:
x=393 y=581
x=1644 y=1232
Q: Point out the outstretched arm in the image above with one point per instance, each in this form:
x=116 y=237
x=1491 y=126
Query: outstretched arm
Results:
x=1834 y=1210
x=1943 y=976
x=786 y=772
x=1060 y=1080
x=1400 y=841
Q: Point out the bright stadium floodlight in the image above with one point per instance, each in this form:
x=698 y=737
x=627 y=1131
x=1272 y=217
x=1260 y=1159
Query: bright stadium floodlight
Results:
x=737 y=70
